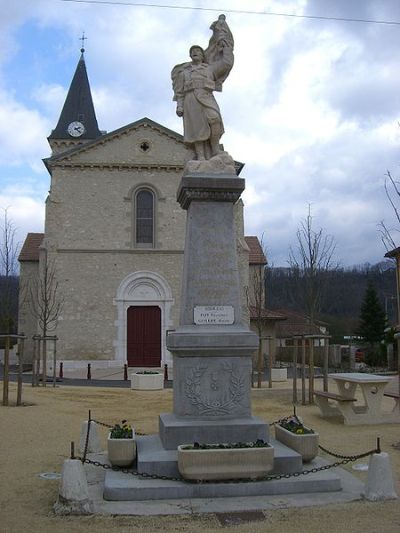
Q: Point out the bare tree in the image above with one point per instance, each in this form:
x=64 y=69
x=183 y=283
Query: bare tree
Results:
x=256 y=303
x=46 y=305
x=8 y=271
x=389 y=235
x=8 y=290
x=311 y=262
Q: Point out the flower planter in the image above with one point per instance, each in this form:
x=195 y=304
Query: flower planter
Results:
x=227 y=463
x=147 y=381
x=306 y=445
x=279 y=374
x=121 y=452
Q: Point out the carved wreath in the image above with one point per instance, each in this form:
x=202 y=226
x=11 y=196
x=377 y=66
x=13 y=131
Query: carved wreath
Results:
x=214 y=407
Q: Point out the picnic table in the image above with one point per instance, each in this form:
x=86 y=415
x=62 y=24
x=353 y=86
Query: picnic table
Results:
x=346 y=404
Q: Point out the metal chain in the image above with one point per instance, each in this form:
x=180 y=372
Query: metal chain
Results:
x=276 y=477
x=344 y=460
x=127 y=471
x=349 y=457
x=109 y=426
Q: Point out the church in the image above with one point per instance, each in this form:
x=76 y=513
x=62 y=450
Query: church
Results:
x=113 y=242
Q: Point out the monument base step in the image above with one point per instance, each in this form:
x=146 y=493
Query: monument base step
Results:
x=175 y=430
x=125 y=487
x=152 y=458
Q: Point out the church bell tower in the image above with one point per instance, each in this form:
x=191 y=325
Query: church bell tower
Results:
x=77 y=123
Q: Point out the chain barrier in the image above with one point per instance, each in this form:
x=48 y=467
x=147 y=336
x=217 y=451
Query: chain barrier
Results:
x=344 y=459
x=109 y=426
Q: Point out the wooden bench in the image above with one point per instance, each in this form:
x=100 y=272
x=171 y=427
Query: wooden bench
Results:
x=327 y=409
x=396 y=396
x=334 y=396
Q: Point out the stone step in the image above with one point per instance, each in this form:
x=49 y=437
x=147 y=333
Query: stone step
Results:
x=125 y=487
x=154 y=459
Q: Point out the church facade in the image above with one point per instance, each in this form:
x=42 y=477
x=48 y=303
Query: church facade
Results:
x=114 y=239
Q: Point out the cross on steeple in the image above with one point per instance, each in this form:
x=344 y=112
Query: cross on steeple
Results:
x=83 y=39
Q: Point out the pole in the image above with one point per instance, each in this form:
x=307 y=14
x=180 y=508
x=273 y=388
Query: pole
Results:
x=295 y=355
x=270 y=361
x=54 y=362
x=303 y=372
x=311 y=373
x=44 y=369
x=20 y=369
x=326 y=364
x=6 y=370
x=34 y=364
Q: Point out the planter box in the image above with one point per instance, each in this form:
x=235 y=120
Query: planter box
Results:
x=147 y=381
x=279 y=374
x=306 y=445
x=229 y=463
x=121 y=452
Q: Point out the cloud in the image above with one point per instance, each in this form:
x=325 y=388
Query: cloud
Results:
x=311 y=106
x=23 y=133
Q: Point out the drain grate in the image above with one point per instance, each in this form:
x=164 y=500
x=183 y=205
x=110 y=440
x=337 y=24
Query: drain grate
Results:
x=239 y=517
x=50 y=475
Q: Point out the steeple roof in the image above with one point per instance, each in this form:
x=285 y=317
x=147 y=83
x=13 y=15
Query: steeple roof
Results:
x=78 y=107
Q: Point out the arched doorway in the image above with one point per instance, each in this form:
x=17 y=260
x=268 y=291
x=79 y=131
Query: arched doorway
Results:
x=143 y=336
x=143 y=290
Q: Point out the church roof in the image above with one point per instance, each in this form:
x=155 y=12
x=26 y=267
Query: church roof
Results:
x=256 y=254
x=107 y=137
x=30 y=248
x=78 y=106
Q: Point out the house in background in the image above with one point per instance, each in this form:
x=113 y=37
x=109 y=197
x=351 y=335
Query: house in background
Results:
x=263 y=321
x=114 y=236
x=297 y=325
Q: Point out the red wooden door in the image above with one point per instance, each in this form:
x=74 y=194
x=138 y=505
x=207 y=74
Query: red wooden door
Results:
x=144 y=336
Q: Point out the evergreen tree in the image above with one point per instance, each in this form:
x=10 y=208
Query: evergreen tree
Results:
x=372 y=321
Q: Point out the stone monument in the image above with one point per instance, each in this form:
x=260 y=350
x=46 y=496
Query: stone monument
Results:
x=212 y=346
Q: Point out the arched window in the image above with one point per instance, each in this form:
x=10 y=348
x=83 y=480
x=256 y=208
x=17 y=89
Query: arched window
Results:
x=144 y=218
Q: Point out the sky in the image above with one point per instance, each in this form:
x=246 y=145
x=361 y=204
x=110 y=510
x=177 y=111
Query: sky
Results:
x=311 y=106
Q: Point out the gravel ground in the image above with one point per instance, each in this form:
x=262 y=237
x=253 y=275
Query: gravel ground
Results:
x=36 y=438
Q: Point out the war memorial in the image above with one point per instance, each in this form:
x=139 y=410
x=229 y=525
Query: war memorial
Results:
x=212 y=347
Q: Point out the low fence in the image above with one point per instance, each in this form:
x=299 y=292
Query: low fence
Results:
x=285 y=355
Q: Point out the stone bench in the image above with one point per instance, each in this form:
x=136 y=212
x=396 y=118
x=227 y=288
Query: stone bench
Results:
x=327 y=409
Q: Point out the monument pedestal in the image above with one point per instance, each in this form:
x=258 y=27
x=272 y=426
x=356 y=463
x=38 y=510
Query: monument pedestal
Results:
x=212 y=347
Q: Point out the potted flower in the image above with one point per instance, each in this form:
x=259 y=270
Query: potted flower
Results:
x=225 y=461
x=121 y=444
x=292 y=432
x=147 y=380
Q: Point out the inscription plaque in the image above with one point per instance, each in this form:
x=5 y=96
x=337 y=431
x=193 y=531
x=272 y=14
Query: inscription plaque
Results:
x=214 y=314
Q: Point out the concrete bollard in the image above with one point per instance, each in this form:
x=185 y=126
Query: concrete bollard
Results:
x=379 y=485
x=73 y=493
x=94 y=445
